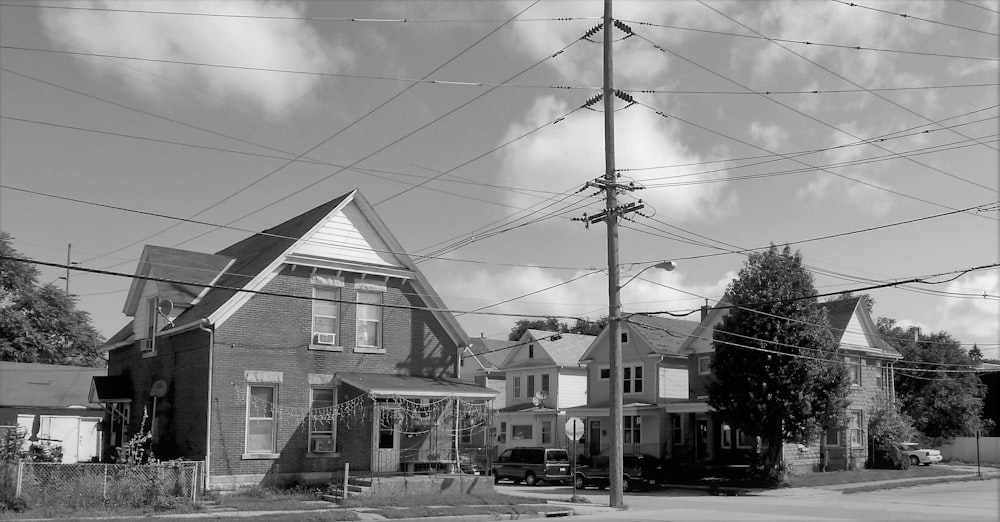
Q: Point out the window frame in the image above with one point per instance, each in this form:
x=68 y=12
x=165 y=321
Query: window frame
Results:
x=261 y=453
x=379 y=347
x=632 y=377
x=706 y=368
x=725 y=436
x=743 y=440
x=516 y=385
x=631 y=429
x=338 y=344
x=854 y=367
x=604 y=374
x=515 y=429
x=152 y=321
x=529 y=386
x=676 y=429
x=545 y=386
x=315 y=434
x=547 y=432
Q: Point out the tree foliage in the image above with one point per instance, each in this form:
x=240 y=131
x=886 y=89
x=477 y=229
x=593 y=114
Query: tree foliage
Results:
x=760 y=386
x=943 y=404
x=552 y=324
x=40 y=323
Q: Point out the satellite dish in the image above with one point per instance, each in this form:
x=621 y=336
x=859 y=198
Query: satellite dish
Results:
x=536 y=401
x=158 y=389
x=164 y=307
x=539 y=398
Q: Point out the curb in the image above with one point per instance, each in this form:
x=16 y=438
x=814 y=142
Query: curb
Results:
x=876 y=486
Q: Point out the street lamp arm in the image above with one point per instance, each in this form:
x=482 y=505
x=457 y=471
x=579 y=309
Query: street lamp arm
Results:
x=664 y=265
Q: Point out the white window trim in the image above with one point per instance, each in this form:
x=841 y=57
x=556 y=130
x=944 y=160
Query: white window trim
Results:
x=333 y=433
x=152 y=320
x=601 y=369
x=338 y=346
x=854 y=364
x=723 y=430
x=708 y=365
x=634 y=429
x=631 y=380
x=261 y=455
x=516 y=385
x=551 y=432
x=358 y=347
x=741 y=435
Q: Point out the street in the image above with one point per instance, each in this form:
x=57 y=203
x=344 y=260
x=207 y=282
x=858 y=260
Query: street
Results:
x=957 y=501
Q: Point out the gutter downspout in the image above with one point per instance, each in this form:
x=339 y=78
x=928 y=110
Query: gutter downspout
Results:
x=206 y=326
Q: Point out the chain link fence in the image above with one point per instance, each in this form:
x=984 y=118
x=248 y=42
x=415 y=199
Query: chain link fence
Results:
x=90 y=485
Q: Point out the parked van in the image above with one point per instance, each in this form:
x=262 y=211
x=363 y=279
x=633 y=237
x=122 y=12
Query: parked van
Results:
x=533 y=465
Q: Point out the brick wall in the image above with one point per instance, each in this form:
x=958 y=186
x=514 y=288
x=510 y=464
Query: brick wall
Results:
x=271 y=333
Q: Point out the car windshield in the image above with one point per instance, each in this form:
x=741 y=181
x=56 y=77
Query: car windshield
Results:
x=557 y=456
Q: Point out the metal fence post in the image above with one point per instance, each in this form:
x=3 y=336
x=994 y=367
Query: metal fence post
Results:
x=104 y=492
x=20 y=477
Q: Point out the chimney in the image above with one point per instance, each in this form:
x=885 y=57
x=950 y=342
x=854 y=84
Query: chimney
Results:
x=704 y=310
x=482 y=335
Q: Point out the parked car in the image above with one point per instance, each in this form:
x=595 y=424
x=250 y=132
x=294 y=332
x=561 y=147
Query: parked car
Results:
x=640 y=471
x=919 y=455
x=533 y=466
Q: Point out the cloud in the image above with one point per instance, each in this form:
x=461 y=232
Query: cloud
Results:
x=772 y=136
x=565 y=156
x=260 y=43
x=972 y=319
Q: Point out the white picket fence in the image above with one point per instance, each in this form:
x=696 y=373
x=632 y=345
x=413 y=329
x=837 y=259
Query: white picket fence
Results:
x=964 y=449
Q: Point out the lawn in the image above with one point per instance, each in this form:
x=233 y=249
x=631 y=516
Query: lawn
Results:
x=830 y=478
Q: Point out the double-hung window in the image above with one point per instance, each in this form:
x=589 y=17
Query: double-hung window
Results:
x=633 y=429
x=546 y=432
x=676 y=429
x=632 y=381
x=517 y=387
x=531 y=386
x=326 y=317
x=545 y=383
x=854 y=368
x=261 y=424
x=323 y=420
x=369 y=321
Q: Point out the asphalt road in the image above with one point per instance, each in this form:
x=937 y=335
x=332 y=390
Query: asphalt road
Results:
x=956 y=501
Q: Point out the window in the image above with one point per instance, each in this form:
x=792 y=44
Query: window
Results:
x=386 y=428
x=322 y=420
x=743 y=440
x=832 y=437
x=704 y=365
x=517 y=387
x=632 y=431
x=502 y=437
x=531 y=351
x=326 y=317
x=545 y=384
x=531 y=386
x=546 y=432
x=152 y=315
x=260 y=418
x=605 y=373
x=676 y=428
x=632 y=379
x=624 y=337
x=856 y=428
x=727 y=436
x=520 y=432
x=465 y=433
x=854 y=368
x=369 y=320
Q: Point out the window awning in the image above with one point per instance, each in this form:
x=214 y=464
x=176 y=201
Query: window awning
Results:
x=381 y=385
x=110 y=389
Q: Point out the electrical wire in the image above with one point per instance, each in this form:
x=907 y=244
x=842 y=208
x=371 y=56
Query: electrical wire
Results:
x=904 y=15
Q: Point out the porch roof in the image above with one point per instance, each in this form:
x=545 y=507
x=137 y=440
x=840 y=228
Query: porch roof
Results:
x=689 y=406
x=603 y=409
x=108 y=389
x=527 y=408
x=381 y=385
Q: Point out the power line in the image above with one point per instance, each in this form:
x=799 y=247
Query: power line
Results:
x=983 y=7
x=904 y=15
x=842 y=77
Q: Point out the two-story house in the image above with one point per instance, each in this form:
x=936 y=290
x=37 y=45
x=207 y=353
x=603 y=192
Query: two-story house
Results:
x=653 y=375
x=480 y=362
x=291 y=353
x=699 y=435
x=544 y=378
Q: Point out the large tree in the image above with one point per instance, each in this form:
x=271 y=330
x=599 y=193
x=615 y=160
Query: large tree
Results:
x=779 y=374
x=40 y=323
x=552 y=324
x=946 y=402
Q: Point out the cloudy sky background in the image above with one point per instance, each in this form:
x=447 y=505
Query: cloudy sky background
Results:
x=245 y=113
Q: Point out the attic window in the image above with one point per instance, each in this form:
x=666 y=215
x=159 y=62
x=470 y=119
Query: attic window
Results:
x=148 y=345
x=531 y=351
x=624 y=337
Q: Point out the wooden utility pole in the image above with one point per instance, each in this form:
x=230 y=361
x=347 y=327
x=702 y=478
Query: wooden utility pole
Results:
x=69 y=249
x=616 y=467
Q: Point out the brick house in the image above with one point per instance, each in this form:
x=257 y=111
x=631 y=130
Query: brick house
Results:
x=291 y=353
x=544 y=378
x=698 y=435
x=654 y=375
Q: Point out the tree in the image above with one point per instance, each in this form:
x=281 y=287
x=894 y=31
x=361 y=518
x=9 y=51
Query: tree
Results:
x=552 y=324
x=40 y=323
x=887 y=428
x=945 y=402
x=976 y=354
x=779 y=373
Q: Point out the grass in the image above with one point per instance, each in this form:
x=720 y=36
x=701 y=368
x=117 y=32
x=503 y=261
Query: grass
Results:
x=417 y=501
x=262 y=498
x=831 y=478
x=450 y=511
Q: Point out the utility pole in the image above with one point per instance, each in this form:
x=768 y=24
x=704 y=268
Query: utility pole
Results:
x=69 y=249
x=616 y=467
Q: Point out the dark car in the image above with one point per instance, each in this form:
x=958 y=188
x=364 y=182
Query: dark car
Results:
x=533 y=466
x=640 y=472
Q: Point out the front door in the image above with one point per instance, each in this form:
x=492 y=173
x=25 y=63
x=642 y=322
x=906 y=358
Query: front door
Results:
x=385 y=437
x=594 y=439
x=701 y=439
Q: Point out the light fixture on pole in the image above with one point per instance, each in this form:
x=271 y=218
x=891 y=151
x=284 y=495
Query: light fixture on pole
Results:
x=662 y=265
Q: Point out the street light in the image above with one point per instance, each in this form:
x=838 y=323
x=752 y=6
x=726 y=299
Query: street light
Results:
x=616 y=468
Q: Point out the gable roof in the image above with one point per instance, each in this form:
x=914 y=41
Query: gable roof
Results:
x=664 y=334
x=255 y=259
x=490 y=352
x=177 y=265
x=840 y=313
x=565 y=349
x=54 y=386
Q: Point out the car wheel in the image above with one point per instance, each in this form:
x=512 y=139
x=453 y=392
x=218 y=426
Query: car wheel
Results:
x=914 y=461
x=626 y=485
x=496 y=478
x=530 y=480
x=579 y=483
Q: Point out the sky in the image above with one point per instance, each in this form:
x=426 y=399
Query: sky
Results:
x=871 y=149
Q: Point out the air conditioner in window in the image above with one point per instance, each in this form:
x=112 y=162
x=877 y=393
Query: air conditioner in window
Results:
x=325 y=338
x=146 y=345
